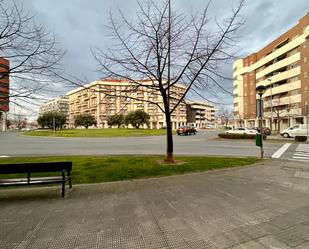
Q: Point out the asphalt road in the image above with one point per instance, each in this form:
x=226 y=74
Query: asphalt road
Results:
x=204 y=143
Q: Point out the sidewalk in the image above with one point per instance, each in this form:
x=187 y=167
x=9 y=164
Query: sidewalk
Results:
x=261 y=206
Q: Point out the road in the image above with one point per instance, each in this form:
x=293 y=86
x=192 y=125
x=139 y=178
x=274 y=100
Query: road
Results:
x=204 y=143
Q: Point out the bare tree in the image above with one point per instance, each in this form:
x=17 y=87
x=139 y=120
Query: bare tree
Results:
x=31 y=50
x=167 y=48
x=281 y=111
x=225 y=115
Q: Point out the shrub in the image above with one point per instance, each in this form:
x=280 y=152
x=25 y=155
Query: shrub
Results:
x=301 y=138
x=238 y=136
x=85 y=120
x=117 y=119
x=52 y=120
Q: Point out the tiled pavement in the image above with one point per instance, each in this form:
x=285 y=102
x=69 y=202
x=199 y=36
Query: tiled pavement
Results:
x=263 y=206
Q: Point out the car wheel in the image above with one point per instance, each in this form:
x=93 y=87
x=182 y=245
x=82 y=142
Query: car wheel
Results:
x=286 y=135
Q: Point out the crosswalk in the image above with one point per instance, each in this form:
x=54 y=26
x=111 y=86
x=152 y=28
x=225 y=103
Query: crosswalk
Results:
x=302 y=152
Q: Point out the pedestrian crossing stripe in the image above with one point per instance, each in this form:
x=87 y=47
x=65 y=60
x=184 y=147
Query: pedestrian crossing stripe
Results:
x=302 y=152
x=301 y=157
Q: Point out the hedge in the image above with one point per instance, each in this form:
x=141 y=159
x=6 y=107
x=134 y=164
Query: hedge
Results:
x=238 y=136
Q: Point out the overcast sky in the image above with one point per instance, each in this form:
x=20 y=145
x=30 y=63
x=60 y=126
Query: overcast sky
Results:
x=79 y=25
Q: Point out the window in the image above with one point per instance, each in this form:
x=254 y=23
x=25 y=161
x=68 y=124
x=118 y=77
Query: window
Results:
x=294 y=92
x=294 y=65
x=295 y=78
x=294 y=51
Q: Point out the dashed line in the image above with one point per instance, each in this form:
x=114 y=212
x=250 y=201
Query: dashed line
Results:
x=4 y=156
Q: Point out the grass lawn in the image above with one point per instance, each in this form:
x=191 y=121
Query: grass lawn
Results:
x=121 y=132
x=94 y=169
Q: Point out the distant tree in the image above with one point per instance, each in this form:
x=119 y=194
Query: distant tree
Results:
x=225 y=115
x=279 y=110
x=85 y=120
x=117 y=119
x=137 y=118
x=52 y=120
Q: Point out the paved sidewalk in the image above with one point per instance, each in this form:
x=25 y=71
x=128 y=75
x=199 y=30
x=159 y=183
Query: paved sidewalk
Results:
x=262 y=206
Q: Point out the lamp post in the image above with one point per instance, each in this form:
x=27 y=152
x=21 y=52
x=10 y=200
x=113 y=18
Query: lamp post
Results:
x=260 y=90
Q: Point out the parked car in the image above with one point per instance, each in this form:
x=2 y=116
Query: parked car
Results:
x=296 y=130
x=186 y=130
x=266 y=130
x=242 y=130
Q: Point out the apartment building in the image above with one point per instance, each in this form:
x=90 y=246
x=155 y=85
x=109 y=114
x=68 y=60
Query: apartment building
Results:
x=108 y=97
x=60 y=104
x=4 y=92
x=200 y=114
x=283 y=68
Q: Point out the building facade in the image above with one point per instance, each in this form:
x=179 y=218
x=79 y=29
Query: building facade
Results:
x=283 y=68
x=4 y=92
x=105 y=98
x=200 y=114
x=60 y=104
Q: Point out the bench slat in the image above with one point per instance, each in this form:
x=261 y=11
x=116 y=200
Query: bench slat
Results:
x=35 y=167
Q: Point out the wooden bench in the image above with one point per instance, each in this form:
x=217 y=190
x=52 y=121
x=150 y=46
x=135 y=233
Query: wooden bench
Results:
x=29 y=168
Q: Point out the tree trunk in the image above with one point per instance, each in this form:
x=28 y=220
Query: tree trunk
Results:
x=170 y=149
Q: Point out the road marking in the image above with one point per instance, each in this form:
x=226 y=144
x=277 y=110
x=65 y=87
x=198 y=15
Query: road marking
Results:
x=301 y=157
x=279 y=152
x=301 y=154
x=4 y=156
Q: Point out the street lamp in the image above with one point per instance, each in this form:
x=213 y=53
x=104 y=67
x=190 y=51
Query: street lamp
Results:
x=260 y=90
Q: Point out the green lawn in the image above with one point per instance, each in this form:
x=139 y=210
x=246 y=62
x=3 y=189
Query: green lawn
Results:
x=94 y=169
x=121 y=132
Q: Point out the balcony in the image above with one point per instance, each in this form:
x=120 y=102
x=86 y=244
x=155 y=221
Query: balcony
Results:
x=283 y=88
x=280 y=64
x=280 y=77
x=283 y=101
x=275 y=54
x=285 y=113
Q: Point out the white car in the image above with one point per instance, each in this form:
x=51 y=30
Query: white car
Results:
x=242 y=130
x=296 y=130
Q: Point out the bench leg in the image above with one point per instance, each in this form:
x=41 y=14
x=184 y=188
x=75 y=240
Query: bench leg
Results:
x=63 y=189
